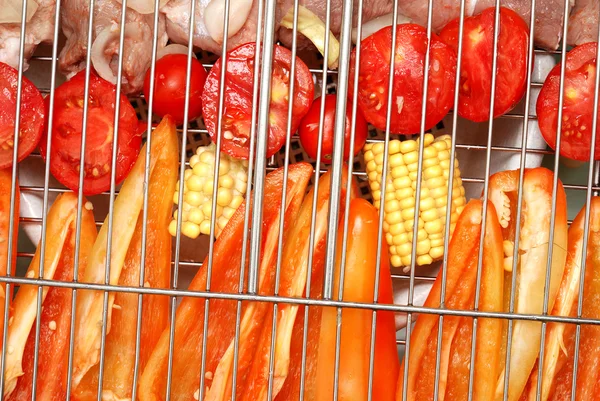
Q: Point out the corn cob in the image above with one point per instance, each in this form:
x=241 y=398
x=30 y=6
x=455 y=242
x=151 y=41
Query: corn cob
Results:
x=198 y=192
x=400 y=196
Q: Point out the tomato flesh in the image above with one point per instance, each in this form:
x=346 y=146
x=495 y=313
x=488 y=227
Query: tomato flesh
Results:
x=31 y=117
x=309 y=130
x=169 y=87
x=236 y=119
x=65 y=153
x=477 y=58
x=409 y=65
x=578 y=105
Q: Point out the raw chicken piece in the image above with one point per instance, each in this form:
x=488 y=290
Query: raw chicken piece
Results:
x=39 y=29
x=137 y=47
x=583 y=23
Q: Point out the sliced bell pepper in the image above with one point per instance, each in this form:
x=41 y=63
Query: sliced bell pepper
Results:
x=127 y=207
x=5 y=188
x=55 y=323
x=225 y=279
x=534 y=238
x=558 y=368
x=292 y=284
x=119 y=362
x=461 y=278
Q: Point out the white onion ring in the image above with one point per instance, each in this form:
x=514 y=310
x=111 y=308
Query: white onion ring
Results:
x=104 y=38
x=374 y=25
x=214 y=14
x=173 y=49
x=143 y=6
x=12 y=11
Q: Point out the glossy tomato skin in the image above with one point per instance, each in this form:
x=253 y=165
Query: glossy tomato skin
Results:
x=237 y=109
x=407 y=96
x=64 y=157
x=32 y=116
x=578 y=105
x=477 y=58
x=309 y=130
x=169 y=87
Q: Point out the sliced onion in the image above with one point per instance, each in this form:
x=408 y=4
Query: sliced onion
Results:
x=214 y=14
x=12 y=11
x=143 y=6
x=99 y=60
x=374 y=25
x=173 y=49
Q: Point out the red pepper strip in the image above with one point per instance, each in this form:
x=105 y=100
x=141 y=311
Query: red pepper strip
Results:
x=5 y=188
x=461 y=277
x=292 y=284
x=119 y=362
x=588 y=375
x=359 y=279
x=55 y=323
x=566 y=303
x=531 y=267
x=225 y=278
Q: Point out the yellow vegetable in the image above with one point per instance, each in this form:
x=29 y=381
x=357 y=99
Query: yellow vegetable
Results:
x=198 y=192
x=400 y=196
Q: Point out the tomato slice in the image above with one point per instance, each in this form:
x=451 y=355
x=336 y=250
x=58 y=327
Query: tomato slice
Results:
x=578 y=105
x=32 y=116
x=409 y=61
x=477 y=59
x=66 y=135
x=237 y=109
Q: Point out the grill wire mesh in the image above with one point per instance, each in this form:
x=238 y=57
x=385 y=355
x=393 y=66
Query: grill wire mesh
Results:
x=194 y=134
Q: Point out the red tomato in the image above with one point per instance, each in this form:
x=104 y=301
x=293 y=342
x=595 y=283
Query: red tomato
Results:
x=237 y=110
x=32 y=116
x=66 y=135
x=169 y=87
x=477 y=58
x=409 y=61
x=578 y=105
x=309 y=130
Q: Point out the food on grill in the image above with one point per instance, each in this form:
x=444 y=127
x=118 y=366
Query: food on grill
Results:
x=119 y=362
x=59 y=264
x=578 y=105
x=477 y=58
x=583 y=22
x=170 y=87
x=558 y=351
x=39 y=28
x=67 y=126
x=31 y=118
x=225 y=272
x=198 y=192
x=531 y=267
x=137 y=44
x=127 y=207
x=310 y=127
x=294 y=273
x=400 y=196
x=236 y=119
x=407 y=97
x=461 y=279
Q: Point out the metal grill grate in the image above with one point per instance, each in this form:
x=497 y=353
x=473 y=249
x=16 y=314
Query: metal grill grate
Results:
x=194 y=134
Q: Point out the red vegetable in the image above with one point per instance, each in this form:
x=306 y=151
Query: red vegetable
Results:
x=67 y=133
x=32 y=116
x=477 y=58
x=409 y=62
x=237 y=110
x=578 y=105
x=170 y=87
x=309 y=130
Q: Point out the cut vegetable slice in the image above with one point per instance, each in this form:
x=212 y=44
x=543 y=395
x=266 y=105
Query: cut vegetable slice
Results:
x=127 y=207
x=225 y=279
x=58 y=265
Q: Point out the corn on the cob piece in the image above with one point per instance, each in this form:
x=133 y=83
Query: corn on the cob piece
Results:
x=400 y=196
x=198 y=192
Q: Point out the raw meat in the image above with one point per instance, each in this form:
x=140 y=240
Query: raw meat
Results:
x=583 y=23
